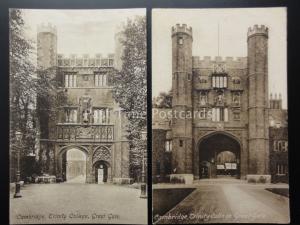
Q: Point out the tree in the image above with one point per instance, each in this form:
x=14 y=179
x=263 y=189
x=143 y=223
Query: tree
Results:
x=22 y=81
x=130 y=86
x=22 y=84
x=164 y=100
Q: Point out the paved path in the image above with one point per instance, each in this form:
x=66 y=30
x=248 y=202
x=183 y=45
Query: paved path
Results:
x=78 y=203
x=229 y=202
x=78 y=180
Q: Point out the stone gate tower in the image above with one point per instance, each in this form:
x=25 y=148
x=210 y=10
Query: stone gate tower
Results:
x=258 y=100
x=46 y=63
x=182 y=100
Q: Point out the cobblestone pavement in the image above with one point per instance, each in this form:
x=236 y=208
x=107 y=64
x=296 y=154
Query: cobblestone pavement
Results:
x=78 y=203
x=228 y=202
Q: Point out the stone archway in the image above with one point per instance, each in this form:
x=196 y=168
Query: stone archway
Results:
x=73 y=164
x=219 y=156
x=102 y=165
x=75 y=167
x=102 y=172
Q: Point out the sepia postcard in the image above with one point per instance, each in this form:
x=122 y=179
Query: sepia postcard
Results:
x=219 y=127
x=78 y=130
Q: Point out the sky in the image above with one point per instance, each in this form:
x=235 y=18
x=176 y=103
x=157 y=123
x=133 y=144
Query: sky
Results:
x=81 y=31
x=233 y=26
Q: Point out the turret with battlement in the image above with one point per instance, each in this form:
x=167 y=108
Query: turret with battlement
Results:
x=258 y=100
x=46 y=46
x=47 y=28
x=182 y=99
x=258 y=30
x=182 y=29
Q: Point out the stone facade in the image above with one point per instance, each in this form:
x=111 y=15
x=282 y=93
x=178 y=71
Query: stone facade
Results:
x=221 y=101
x=89 y=119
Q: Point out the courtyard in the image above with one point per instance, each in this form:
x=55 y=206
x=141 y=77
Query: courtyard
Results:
x=78 y=203
x=226 y=201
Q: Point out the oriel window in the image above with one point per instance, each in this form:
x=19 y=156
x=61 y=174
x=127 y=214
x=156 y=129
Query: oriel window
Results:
x=219 y=81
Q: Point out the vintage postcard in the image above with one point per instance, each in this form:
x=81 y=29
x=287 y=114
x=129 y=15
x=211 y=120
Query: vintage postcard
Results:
x=219 y=128
x=78 y=131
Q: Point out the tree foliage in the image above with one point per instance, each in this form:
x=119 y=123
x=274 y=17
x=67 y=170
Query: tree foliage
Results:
x=164 y=100
x=130 y=86
x=22 y=82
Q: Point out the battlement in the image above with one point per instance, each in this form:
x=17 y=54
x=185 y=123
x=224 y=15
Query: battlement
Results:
x=85 y=56
x=85 y=60
x=208 y=62
x=182 y=29
x=46 y=28
x=262 y=30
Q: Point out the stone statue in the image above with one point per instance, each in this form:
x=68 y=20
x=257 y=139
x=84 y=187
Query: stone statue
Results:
x=85 y=116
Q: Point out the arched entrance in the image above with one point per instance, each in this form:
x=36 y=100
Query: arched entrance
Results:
x=219 y=156
x=74 y=165
x=102 y=172
x=101 y=164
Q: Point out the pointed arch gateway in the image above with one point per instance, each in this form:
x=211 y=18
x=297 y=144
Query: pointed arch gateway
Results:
x=219 y=156
x=102 y=164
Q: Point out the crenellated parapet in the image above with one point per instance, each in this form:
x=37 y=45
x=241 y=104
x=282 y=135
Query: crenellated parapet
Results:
x=208 y=62
x=46 y=28
x=182 y=29
x=258 y=30
x=85 y=60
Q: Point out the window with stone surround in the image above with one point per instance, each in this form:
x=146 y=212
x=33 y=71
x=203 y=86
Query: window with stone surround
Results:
x=219 y=81
x=180 y=143
x=70 y=115
x=168 y=145
x=180 y=40
x=280 y=146
x=281 y=169
x=100 y=80
x=70 y=80
x=101 y=115
x=219 y=114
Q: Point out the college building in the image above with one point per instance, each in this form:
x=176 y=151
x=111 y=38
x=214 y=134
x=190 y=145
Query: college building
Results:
x=83 y=135
x=222 y=122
